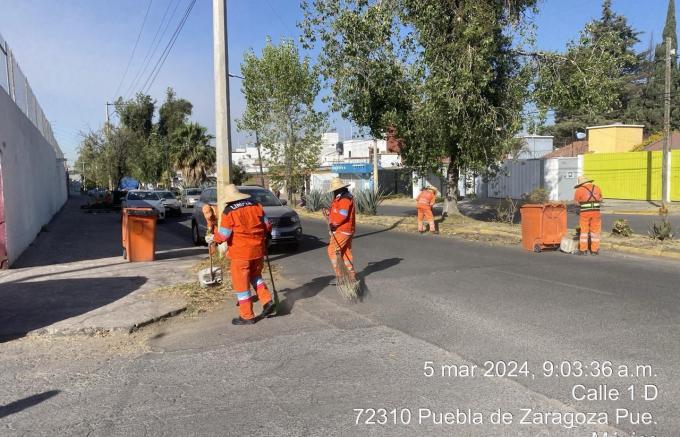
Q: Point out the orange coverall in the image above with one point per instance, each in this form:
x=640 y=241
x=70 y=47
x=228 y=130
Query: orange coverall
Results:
x=424 y=203
x=589 y=197
x=342 y=223
x=244 y=227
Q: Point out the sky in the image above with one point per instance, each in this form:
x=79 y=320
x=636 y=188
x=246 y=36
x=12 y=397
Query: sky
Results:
x=75 y=52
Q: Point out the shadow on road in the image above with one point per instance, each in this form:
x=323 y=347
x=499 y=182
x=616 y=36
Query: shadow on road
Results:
x=307 y=243
x=305 y=291
x=380 y=231
x=22 y=404
x=32 y=305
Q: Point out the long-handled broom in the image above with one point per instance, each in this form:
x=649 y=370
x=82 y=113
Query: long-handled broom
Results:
x=271 y=277
x=348 y=286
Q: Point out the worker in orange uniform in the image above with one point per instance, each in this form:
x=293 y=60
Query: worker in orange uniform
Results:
x=244 y=228
x=341 y=221
x=424 y=204
x=588 y=197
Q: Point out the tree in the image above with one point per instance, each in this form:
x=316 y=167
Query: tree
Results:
x=571 y=83
x=192 y=153
x=281 y=89
x=443 y=73
x=648 y=107
x=136 y=125
x=238 y=174
x=172 y=115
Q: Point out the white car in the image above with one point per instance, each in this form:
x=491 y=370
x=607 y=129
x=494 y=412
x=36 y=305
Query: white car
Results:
x=144 y=199
x=172 y=205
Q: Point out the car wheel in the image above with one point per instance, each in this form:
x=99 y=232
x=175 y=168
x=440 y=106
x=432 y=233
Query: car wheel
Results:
x=196 y=235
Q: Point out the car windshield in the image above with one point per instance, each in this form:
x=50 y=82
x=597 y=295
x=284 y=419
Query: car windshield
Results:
x=193 y=192
x=142 y=195
x=263 y=197
x=166 y=195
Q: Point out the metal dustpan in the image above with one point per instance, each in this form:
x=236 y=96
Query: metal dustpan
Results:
x=209 y=279
x=211 y=276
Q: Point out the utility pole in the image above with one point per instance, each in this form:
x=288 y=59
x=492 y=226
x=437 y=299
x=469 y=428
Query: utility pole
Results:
x=376 y=187
x=222 y=116
x=666 y=163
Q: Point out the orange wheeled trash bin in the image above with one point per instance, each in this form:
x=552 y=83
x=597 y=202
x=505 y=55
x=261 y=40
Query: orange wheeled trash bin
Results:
x=139 y=234
x=543 y=225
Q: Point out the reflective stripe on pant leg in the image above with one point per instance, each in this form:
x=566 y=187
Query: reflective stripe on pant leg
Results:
x=584 y=224
x=240 y=279
x=260 y=287
x=595 y=232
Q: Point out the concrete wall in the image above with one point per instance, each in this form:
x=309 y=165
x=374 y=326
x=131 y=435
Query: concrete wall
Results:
x=560 y=177
x=614 y=138
x=34 y=179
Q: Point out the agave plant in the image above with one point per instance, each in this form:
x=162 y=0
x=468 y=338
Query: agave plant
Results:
x=317 y=199
x=661 y=231
x=367 y=201
x=621 y=228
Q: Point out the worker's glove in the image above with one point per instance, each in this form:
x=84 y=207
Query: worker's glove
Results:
x=209 y=239
x=223 y=249
x=333 y=227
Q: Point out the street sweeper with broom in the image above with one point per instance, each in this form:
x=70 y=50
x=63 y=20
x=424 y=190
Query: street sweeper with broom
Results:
x=424 y=204
x=244 y=227
x=341 y=224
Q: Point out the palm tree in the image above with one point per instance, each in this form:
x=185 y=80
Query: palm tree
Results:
x=192 y=153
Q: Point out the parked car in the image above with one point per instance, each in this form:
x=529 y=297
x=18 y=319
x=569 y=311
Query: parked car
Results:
x=190 y=196
x=172 y=206
x=144 y=199
x=286 y=227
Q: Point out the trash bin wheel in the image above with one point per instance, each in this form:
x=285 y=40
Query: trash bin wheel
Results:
x=537 y=248
x=124 y=253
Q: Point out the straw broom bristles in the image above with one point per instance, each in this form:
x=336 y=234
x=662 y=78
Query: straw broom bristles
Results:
x=348 y=287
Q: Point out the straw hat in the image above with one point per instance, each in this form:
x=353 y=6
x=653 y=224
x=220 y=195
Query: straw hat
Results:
x=431 y=188
x=232 y=194
x=337 y=184
x=582 y=180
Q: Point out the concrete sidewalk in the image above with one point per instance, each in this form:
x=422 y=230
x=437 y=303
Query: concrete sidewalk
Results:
x=73 y=278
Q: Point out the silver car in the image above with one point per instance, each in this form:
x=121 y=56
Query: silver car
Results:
x=190 y=196
x=144 y=199
x=286 y=227
x=172 y=205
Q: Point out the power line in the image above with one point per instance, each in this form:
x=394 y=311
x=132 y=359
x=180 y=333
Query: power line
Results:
x=134 y=49
x=161 y=61
x=155 y=42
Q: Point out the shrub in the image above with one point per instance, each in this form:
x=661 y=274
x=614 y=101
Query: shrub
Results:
x=538 y=195
x=661 y=231
x=316 y=200
x=621 y=228
x=505 y=211
x=367 y=201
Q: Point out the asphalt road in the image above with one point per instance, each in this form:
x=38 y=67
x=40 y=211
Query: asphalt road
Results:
x=433 y=306
x=640 y=224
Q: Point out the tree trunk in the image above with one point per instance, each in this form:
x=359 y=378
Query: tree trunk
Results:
x=451 y=190
x=259 y=157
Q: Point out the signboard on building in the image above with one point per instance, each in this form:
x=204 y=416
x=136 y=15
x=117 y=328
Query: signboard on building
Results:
x=352 y=167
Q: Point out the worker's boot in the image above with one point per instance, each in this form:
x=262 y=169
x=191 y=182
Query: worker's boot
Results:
x=241 y=321
x=583 y=252
x=595 y=252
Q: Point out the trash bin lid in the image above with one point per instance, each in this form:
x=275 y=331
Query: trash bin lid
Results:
x=141 y=212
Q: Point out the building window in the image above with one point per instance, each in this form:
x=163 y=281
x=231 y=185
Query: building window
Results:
x=349 y=154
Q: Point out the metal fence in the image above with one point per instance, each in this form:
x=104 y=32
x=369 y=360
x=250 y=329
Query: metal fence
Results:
x=13 y=81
